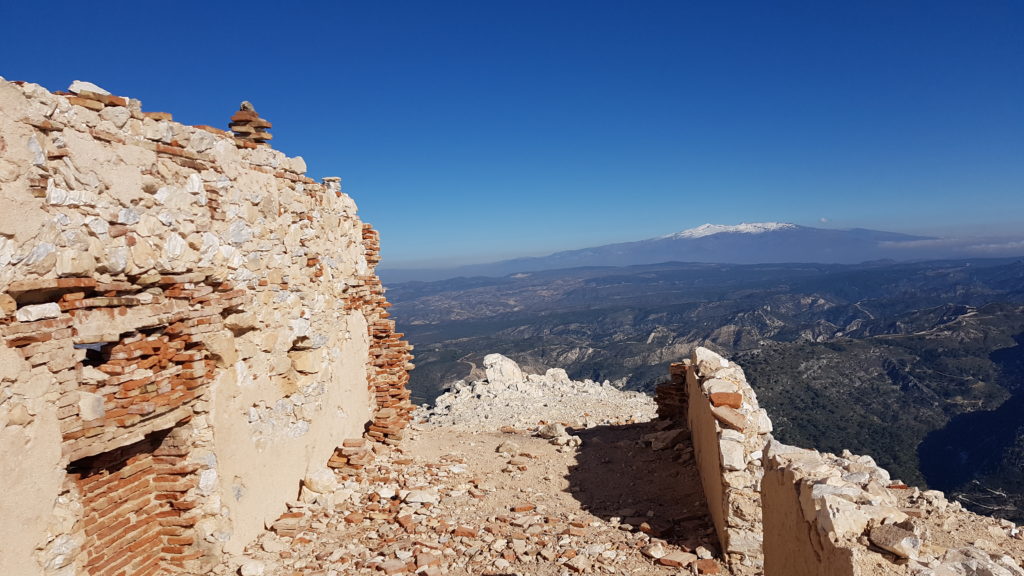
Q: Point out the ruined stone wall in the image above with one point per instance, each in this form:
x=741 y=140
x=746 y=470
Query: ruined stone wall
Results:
x=787 y=511
x=729 y=431
x=190 y=325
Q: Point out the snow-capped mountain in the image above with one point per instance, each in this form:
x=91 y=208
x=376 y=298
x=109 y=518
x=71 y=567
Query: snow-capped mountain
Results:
x=743 y=228
x=746 y=243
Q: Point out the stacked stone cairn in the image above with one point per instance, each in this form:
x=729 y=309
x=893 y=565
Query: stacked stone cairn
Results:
x=249 y=128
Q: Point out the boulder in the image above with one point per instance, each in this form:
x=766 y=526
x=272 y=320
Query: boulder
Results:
x=502 y=371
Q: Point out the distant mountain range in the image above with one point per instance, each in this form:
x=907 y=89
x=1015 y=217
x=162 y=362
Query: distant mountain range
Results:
x=753 y=243
x=920 y=364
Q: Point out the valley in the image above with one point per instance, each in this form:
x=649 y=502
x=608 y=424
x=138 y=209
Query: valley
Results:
x=874 y=357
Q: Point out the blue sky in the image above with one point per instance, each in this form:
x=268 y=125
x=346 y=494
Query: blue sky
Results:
x=476 y=130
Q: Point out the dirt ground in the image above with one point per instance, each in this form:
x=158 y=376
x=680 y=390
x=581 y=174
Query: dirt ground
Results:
x=450 y=502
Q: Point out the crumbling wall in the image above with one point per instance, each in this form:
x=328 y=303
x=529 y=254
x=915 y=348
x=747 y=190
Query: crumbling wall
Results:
x=189 y=324
x=828 y=515
x=795 y=512
x=729 y=430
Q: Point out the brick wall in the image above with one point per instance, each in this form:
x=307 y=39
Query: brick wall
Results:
x=135 y=515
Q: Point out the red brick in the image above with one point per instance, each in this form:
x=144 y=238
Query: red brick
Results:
x=731 y=399
x=707 y=566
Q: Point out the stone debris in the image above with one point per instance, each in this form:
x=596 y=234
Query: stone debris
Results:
x=434 y=506
x=490 y=497
x=508 y=397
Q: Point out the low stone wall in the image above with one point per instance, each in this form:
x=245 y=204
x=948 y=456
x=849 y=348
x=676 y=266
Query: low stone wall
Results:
x=827 y=515
x=189 y=327
x=786 y=511
x=729 y=431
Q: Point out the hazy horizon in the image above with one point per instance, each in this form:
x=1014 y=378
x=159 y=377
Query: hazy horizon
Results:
x=978 y=245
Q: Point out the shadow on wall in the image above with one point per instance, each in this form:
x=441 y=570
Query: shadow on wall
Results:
x=619 y=474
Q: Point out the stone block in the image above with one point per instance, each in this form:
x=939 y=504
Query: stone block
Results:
x=729 y=399
x=730 y=417
x=36 y=312
x=90 y=406
x=732 y=454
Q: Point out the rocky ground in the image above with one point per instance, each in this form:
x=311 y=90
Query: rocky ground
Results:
x=502 y=479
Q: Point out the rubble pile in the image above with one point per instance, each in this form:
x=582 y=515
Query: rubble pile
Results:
x=509 y=397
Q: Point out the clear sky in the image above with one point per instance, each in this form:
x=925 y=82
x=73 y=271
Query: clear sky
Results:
x=476 y=130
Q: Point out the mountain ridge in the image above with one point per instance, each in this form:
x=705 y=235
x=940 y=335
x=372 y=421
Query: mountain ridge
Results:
x=744 y=243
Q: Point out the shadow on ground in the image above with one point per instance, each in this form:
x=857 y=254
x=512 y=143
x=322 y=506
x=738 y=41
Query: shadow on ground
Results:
x=618 y=474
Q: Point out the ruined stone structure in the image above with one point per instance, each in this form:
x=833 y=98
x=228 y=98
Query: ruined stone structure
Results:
x=189 y=326
x=728 y=430
x=786 y=511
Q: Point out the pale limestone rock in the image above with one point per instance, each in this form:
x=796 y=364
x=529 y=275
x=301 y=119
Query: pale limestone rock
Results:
x=882 y=514
x=502 y=371
x=115 y=259
x=99 y=226
x=678 y=559
x=159 y=131
x=654 y=550
x=557 y=375
x=143 y=255
x=174 y=247
x=421 y=497
x=128 y=216
x=60 y=197
x=322 y=481
x=266 y=157
x=90 y=406
x=36 y=312
x=75 y=264
x=150 y=226
x=272 y=544
x=83 y=86
x=729 y=417
x=116 y=115
x=716 y=386
x=706 y=361
x=252 y=568
x=91 y=375
x=897 y=540
x=36 y=149
x=201 y=141
x=7 y=251
x=579 y=564
x=762 y=421
x=222 y=347
x=732 y=454
x=841 y=517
